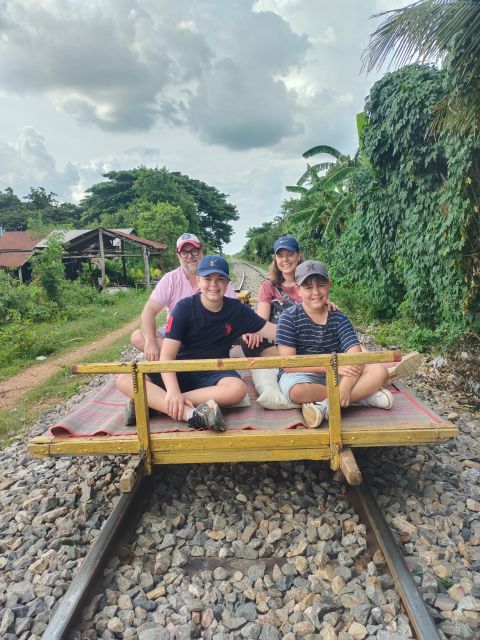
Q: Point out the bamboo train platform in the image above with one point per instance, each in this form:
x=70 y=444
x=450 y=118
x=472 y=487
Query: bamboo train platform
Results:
x=253 y=434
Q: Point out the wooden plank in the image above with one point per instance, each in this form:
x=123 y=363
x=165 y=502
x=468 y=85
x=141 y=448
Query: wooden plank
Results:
x=103 y=367
x=349 y=467
x=334 y=418
x=132 y=475
x=143 y=422
x=238 y=363
x=237 y=446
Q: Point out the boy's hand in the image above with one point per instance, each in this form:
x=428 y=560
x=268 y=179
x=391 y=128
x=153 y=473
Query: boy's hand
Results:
x=350 y=370
x=345 y=396
x=252 y=339
x=175 y=404
x=151 y=350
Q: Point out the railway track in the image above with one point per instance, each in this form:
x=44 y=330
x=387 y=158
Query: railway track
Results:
x=88 y=586
x=127 y=516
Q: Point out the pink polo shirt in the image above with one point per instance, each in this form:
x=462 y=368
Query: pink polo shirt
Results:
x=175 y=286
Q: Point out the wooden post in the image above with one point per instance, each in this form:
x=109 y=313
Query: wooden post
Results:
x=124 y=266
x=102 y=257
x=146 y=267
x=334 y=417
x=143 y=420
x=349 y=467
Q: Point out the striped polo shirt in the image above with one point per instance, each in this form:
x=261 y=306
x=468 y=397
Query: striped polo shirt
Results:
x=296 y=329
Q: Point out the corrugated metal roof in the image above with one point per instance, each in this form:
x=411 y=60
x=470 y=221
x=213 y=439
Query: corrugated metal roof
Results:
x=73 y=234
x=16 y=247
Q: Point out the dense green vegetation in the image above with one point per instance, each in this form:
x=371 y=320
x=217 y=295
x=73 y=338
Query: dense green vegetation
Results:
x=398 y=224
x=52 y=314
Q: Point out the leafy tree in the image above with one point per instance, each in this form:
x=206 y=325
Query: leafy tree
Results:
x=214 y=212
x=437 y=30
x=159 y=185
x=13 y=212
x=162 y=222
x=260 y=241
x=327 y=200
x=48 y=268
x=411 y=241
x=106 y=199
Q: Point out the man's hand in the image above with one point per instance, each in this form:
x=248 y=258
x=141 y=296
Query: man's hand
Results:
x=152 y=350
x=175 y=404
x=252 y=340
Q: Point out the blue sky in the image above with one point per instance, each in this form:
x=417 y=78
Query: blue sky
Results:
x=227 y=91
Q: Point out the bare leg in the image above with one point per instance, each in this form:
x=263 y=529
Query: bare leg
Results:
x=269 y=351
x=307 y=392
x=372 y=378
x=227 y=391
x=138 y=340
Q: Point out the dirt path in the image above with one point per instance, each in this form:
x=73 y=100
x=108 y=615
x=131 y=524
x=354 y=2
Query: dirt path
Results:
x=14 y=388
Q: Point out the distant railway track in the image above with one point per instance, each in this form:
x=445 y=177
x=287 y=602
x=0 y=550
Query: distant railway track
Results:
x=244 y=267
x=127 y=512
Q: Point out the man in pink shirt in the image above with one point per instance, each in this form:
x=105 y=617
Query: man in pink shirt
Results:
x=173 y=286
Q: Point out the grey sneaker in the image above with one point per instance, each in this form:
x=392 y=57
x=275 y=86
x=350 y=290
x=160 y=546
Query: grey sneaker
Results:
x=129 y=413
x=314 y=413
x=207 y=416
x=381 y=399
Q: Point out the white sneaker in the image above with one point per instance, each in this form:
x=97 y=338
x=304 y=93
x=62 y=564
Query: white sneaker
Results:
x=314 y=413
x=408 y=364
x=381 y=399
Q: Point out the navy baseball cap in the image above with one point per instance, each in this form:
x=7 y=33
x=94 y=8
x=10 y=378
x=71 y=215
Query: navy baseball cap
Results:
x=286 y=242
x=213 y=264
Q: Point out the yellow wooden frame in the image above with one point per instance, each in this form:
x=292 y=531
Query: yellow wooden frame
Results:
x=234 y=446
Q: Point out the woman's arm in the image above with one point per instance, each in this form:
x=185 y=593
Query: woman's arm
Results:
x=263 y=310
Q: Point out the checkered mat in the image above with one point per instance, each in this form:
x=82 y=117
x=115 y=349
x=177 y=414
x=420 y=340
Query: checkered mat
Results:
x=101 y=414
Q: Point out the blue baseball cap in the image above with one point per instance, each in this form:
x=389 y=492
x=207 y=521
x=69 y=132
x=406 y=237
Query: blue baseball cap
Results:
x=286 y=242
x=213 y=264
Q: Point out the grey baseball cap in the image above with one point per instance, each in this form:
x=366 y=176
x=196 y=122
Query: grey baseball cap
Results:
x=310 y=268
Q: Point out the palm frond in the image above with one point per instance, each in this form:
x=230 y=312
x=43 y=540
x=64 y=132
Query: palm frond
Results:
x=296 y=189
x=335 y=177
x=427 y=31
x=323 y=148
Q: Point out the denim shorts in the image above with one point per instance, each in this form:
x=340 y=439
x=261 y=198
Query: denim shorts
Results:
x=287 y=380
x=190 y=380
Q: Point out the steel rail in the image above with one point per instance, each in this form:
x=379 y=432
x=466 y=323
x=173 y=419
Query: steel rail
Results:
x=417 y=611
x=70 y=605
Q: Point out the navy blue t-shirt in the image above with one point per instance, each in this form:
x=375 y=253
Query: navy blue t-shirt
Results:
x=210 y=334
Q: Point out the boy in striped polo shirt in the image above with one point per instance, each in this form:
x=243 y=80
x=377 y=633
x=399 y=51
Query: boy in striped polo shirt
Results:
x=309 y=328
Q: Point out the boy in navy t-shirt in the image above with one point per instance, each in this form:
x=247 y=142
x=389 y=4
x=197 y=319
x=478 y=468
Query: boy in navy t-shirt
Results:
x=204 y=325
x=310 y=328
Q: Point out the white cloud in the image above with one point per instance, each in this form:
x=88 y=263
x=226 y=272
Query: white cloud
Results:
x=26 y=163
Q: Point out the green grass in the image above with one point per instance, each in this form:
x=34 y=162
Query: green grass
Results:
x=61 y=386
x=19 y=350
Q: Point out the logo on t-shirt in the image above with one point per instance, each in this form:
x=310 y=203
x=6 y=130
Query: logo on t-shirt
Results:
x=169 y=324
x=228 y=328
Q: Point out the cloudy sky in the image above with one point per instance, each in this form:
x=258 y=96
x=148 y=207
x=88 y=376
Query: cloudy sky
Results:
x=227 y=91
